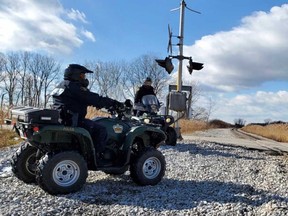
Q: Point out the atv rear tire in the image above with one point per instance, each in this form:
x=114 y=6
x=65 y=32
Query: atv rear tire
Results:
x=62 y=173
x=171 y=136
x=24 y=163
x=148 y=168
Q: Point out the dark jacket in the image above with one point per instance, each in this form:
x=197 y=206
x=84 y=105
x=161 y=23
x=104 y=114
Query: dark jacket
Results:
x=143 y=90
x=72 y=96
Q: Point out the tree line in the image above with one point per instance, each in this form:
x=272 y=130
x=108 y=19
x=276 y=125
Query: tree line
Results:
x=27 y=78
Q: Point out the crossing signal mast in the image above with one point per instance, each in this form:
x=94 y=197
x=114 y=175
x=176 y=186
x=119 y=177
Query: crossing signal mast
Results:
x=167 y=62
x=177 y=99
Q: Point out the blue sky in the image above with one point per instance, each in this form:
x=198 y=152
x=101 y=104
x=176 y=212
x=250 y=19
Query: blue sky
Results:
x=243 y=44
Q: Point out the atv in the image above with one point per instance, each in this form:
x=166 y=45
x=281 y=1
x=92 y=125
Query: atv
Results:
x=147 y=112
x=58 y=157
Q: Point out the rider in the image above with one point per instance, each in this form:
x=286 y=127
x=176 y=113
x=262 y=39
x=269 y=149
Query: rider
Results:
x=72 y=97
x=145 y=89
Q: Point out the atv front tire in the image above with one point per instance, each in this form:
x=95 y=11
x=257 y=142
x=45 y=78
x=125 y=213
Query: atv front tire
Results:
x=148 y=168
x=24 y=163
x=171 y=136
x=62 y=173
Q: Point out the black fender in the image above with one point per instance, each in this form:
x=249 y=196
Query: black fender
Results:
x=157 y=134
x=152 y=137
x=60 y=134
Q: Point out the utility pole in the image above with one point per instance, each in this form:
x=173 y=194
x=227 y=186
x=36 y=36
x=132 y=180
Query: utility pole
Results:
x=177 y=99
x=181 y=42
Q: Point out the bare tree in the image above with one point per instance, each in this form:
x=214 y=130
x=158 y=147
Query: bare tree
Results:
x=106 y=77
x=267 y=121
x=26 y=77
x=196 y=91
x=2 y=63
x=44 y=70
x=28 y=91
x=200 y=113
x=91 y=65
x=11 y=71
x=25 y=58
x=204 y=111
x=210 y=108
x=239 y=122
x=50 y=72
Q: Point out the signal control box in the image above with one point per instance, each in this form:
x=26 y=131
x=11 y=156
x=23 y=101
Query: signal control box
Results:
x=177 y=101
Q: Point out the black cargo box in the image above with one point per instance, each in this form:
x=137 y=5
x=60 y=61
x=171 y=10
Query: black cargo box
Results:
x=35 y=115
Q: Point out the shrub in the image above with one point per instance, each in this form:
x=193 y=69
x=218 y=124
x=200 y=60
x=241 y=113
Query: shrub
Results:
x=239 y=123
x=216 y=123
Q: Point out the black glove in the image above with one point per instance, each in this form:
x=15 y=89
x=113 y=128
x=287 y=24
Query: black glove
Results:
x=128 y=103
x=118 y=105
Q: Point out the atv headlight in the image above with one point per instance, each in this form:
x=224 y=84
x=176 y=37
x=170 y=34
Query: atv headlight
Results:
x=146 y=121
x=168 y=120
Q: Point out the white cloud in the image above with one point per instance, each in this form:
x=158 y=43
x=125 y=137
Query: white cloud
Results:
x=254 y=107
x=88 y=35
x=247 y=56
x=77 y=15
x=38 y=25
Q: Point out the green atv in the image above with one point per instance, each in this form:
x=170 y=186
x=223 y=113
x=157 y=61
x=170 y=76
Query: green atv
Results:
x=58 y=157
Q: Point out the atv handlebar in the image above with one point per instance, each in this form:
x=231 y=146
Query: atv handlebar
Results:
x=121 y=108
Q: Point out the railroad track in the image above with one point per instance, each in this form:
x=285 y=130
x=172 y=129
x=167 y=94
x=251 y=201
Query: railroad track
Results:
x=237 y=137
x=272 y=150
x=243 y=135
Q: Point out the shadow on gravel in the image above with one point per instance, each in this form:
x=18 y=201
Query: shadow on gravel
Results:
x=171 y=194
x=217 y=150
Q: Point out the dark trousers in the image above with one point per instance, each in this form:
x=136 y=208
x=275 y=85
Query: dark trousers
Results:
x=97 y=132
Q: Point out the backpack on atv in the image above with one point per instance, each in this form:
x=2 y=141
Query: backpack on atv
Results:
x=58 y=157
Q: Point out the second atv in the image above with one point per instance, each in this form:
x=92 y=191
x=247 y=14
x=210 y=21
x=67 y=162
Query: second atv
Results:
x=147 y=111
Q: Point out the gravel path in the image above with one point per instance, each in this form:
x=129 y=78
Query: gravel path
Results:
x=201 y=178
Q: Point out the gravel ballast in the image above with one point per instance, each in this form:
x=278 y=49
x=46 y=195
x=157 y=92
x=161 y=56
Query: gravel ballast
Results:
x=201 y=178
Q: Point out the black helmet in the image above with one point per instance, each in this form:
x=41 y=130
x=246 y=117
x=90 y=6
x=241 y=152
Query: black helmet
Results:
x=73 y=71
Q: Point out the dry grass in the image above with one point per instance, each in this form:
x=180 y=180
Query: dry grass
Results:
x=278 y=132
x=8 y=138
x=3 y=116
x=93 y=112
x=216 y=123
x=189 y=126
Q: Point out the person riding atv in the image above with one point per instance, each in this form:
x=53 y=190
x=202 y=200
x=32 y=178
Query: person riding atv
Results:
x=57 y=154
x=145 y=89
x=72 y=97
x=147 y=105
x=147 y=111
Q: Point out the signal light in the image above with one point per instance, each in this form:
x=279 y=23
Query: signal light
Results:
x=36 y=129
x=166 y=63
x=194 y=66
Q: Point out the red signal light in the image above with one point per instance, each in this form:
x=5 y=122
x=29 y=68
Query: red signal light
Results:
x=36 y=129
